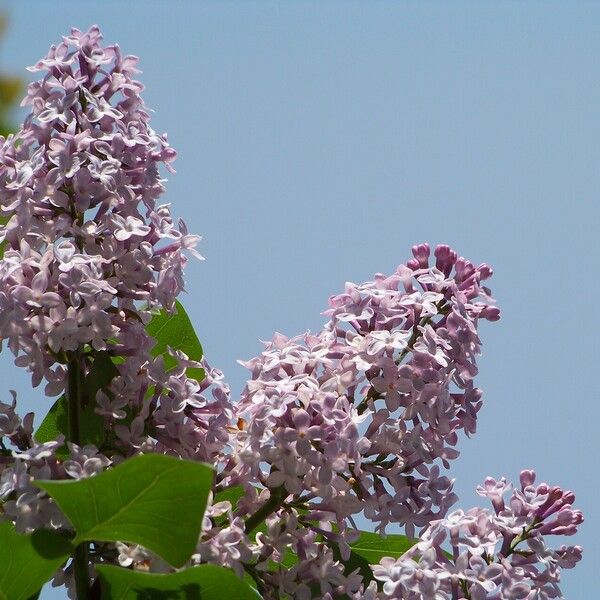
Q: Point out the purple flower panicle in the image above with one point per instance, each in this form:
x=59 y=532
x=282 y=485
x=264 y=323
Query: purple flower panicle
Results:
x=89 y=256
x=495 y=554
x=361 y=418
x=86 y=244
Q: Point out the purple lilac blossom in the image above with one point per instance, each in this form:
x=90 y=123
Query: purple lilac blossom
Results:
x=362 y=417
x=89 y=254
x=499 y=554
x=86 y=244
x=89 y=257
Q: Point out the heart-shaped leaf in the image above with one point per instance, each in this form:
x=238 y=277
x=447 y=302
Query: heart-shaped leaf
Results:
x=29 y=561
x=175 y=330
x=154 y=500
x=206 y=582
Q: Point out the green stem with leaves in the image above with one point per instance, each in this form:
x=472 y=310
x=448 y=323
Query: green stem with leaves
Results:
x=74 y=397
x=276 y=499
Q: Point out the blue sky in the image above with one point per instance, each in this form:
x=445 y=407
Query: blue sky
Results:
x=318 y=141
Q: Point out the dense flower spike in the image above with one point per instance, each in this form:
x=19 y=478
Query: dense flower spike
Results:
x=501 y=554
x=86 y=243
x=355 y=418
x=380 y=394
x=360 y=418
x=89 y=257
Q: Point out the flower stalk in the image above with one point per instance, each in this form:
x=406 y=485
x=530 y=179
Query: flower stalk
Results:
x=270 y=506
x=74 y=398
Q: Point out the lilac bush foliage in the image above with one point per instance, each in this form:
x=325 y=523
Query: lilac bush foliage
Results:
x=361 y=418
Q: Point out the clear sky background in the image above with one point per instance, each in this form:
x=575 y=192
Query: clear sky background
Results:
x=319 y=140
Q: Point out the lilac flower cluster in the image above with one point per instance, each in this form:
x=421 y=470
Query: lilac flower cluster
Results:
x=89 y=257
x=86 y=243
x=356 y=418
x=358 y=414
x=360 y=418
x=499 y=554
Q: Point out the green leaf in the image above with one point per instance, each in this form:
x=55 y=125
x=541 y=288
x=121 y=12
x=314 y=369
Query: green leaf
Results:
x=175 y=330
x=3 y=221
x=154 y=500
x=369 y=549
x=28 y=561
x=231 y=494
x=102 y=372
x=234 y=495
x=355 y=561
x=56 y=422
x=206 y=582
x=373 y=547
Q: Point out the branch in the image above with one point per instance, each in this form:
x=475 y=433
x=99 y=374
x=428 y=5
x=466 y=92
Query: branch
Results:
x=74 y=397
x=276 y=499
